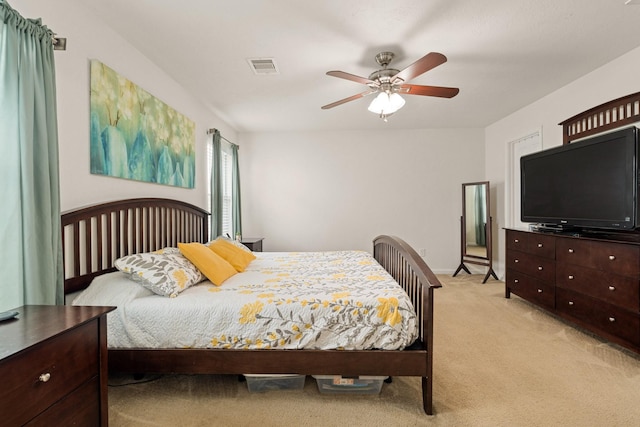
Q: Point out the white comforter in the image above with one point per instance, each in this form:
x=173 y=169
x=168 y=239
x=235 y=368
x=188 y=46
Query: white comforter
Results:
x=312 y=300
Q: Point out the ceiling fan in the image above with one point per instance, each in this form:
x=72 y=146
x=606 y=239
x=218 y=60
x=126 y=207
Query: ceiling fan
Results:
x=389 y=83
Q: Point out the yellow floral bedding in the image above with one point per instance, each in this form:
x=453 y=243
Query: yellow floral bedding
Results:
x=313 y=300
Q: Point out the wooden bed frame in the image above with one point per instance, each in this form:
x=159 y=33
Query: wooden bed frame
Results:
x=94 y=237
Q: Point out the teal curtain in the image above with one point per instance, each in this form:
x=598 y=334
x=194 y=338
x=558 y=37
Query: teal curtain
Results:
x=31 y=249
x=236 y=206
x=481 y=215
x=216 y=187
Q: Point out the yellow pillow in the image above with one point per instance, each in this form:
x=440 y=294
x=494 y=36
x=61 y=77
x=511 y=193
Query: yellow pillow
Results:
x=237 y=257
x=208 y=262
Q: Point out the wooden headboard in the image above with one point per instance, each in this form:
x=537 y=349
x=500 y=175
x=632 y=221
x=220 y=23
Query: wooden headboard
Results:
x=610 y=115
x=95 y=236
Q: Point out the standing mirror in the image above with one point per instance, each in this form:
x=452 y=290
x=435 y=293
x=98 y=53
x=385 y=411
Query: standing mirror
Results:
x=475 y=228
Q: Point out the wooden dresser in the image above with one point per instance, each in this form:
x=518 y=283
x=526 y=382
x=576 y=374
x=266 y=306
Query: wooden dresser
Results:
x=53 y=365
x=593 y=283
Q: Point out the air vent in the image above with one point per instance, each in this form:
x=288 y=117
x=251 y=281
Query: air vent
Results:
x=262 y=66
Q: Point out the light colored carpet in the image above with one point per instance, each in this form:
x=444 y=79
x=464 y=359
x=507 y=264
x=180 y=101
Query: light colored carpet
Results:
x=498 y=362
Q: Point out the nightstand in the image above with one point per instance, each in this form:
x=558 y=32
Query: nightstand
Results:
x=253 y=243
x=53 y=365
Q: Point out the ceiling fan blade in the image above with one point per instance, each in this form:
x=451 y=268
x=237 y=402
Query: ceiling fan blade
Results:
x=442 y=92
x=351 y=98
x=422 y=65
x=352 y=77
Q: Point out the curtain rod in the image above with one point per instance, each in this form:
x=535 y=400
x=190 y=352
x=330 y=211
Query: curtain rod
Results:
x=212 y=131
x=59 y=43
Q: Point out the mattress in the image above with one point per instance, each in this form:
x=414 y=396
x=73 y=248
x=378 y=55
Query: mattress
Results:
x=284 y=300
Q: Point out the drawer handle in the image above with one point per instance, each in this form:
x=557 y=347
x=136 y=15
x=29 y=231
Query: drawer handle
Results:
x=539 y=245
x=612 y=257
x=570 y=302
x=516 y=261
x=612 y=319
x=43 y=378
x=570 y=250
x=516 y=241
x=539 y=268
x=570 y=277
x=516 y=281
x=539 y=291
x=612 y=288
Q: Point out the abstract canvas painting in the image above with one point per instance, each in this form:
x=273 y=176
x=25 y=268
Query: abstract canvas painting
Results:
x=136 y=136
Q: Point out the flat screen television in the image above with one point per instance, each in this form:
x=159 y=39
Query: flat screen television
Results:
x=589 y=184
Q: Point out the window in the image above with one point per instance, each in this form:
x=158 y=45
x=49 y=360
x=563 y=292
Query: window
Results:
x=226 y=168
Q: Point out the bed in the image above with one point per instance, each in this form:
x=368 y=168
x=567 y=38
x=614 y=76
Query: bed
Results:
x=95 y=237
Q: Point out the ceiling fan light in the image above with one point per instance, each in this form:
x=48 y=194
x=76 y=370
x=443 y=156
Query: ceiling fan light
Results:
x=386 y=103
x=377 y=103
x=397 y=102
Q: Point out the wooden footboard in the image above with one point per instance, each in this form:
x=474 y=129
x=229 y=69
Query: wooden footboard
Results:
x=418 y=281
x=413 y=274
x=94 y=237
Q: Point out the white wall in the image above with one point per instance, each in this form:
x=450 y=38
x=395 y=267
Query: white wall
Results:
x=302 y=191
x=614 y=80
x=338 y=190
x=88 y=38
x=316 y=191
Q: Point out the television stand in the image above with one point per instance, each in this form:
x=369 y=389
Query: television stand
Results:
x=593 y=283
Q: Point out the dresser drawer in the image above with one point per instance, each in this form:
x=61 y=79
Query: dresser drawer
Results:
x=618 y=290
x=535 y=291
x=534 y=243
x=80 y=408
x=540 y=268
x=37 y=377
x=599 y=316
x=616 y=258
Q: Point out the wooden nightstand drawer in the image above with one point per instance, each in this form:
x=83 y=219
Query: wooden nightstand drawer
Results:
x=616 y=258
x=81 y=408
x=37 y=377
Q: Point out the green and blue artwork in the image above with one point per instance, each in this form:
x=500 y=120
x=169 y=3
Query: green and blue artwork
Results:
x=136 y=136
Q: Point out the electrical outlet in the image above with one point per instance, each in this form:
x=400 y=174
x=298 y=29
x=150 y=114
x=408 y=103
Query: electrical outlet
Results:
x=423 y=252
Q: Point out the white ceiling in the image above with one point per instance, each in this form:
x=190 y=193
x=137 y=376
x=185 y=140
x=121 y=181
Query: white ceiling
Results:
x=502 y=54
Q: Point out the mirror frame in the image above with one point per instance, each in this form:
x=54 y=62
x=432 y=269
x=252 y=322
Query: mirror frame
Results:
x=465 y=256
x=469 y=210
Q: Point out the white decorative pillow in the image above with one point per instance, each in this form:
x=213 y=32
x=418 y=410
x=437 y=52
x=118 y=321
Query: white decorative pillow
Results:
x=233 y=242
x=165 y=272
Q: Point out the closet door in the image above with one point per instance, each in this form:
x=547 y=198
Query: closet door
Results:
x=518 y=148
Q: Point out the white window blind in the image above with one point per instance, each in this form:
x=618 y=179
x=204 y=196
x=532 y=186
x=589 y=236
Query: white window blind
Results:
x=227 y=187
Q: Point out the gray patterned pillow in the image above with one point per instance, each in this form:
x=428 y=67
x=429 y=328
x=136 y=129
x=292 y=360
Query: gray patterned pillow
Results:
x=165 y=272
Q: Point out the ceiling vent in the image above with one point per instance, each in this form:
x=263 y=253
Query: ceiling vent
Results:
x=263 y=66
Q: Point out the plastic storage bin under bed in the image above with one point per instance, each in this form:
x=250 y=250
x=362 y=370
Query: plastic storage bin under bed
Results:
x=336 y=384
x=258 y=383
